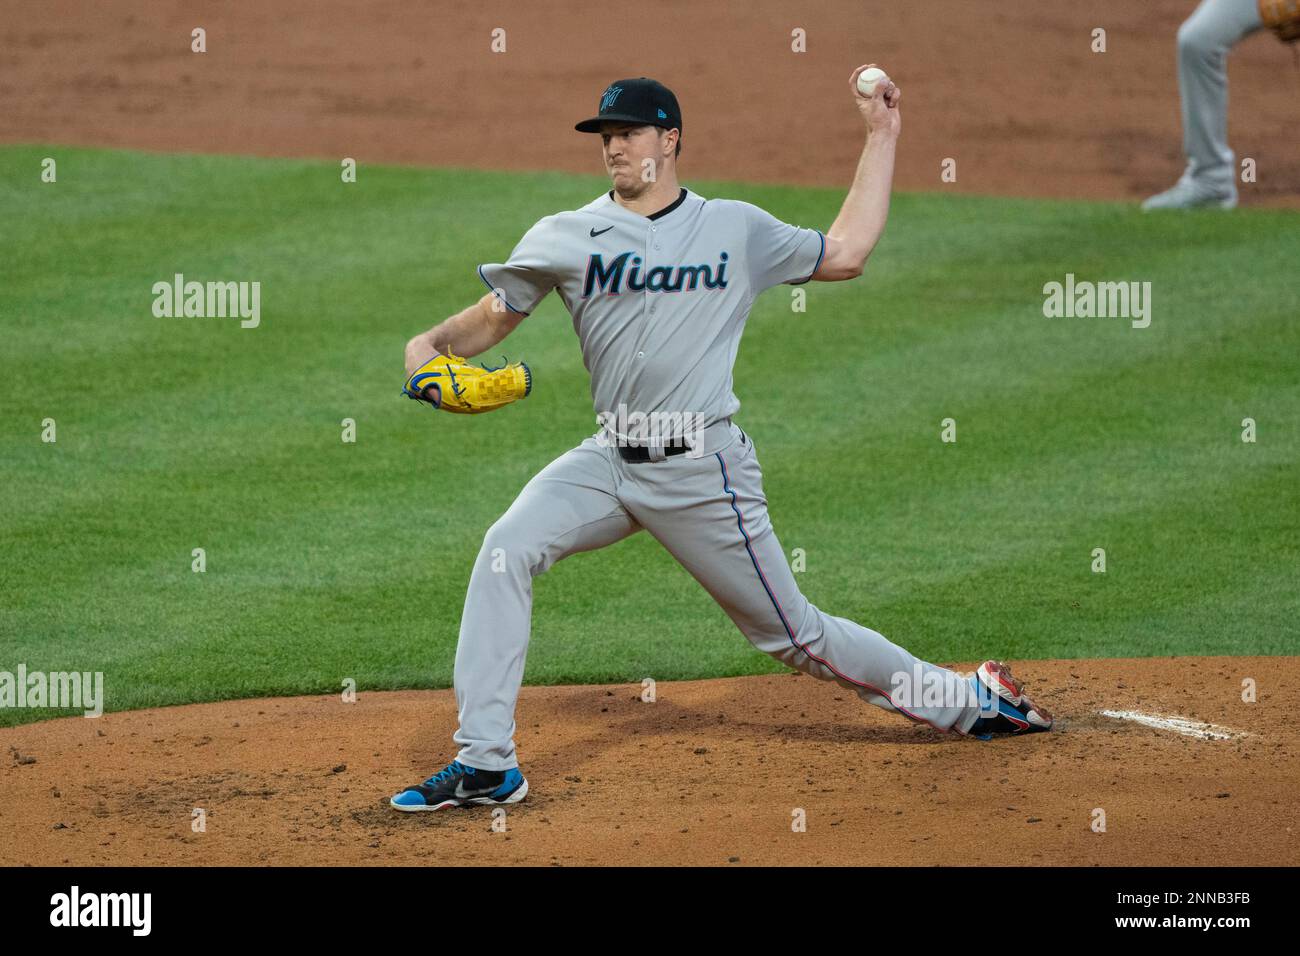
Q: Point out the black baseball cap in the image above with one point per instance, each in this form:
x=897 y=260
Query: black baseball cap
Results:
x=642 y=101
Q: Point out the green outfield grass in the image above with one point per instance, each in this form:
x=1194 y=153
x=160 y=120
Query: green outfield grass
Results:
x=329 y=560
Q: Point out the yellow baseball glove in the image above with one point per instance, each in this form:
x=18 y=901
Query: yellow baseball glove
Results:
x=450 y=383
x=1282 y=17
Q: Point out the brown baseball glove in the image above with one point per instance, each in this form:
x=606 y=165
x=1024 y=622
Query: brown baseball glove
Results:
x=1282 y=17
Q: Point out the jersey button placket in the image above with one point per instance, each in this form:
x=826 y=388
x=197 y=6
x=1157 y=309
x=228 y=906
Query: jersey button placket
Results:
x=651 y=244
x=650 y=263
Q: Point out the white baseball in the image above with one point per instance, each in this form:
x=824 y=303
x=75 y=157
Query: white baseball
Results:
x=868 y=79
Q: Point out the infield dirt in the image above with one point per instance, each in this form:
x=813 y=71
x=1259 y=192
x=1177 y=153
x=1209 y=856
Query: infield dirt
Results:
x=1010 y=90
x=711 y=772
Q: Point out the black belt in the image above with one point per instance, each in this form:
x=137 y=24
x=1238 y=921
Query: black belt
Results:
x=642 y=453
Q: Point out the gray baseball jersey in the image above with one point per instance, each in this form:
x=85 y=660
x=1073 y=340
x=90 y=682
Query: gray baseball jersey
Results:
x=659 y=304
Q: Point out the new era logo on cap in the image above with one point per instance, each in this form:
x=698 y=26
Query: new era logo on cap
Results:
x=663 y=115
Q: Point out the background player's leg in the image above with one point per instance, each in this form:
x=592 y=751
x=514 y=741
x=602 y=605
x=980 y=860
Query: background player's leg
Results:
x=569 y=506
x=1203 y=43
x=710 y=513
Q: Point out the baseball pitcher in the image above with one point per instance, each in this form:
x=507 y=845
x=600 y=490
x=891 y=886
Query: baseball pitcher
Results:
x=659 y=281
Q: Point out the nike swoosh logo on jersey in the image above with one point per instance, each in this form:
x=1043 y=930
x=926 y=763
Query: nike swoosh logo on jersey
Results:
x=597 y=232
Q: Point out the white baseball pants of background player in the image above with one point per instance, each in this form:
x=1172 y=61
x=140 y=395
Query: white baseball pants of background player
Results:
x=1203 y=43
x=710 y=512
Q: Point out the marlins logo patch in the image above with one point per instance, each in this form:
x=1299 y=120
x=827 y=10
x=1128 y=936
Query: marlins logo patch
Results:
x=607 y=100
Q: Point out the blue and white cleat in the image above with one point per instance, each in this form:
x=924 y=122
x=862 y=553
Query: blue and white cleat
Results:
x=1004 y=707
x=457 y=785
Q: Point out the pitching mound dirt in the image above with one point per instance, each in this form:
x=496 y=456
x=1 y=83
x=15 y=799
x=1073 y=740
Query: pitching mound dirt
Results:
x=712 y=772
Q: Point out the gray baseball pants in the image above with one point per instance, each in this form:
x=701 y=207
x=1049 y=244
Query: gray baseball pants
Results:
x=1203 y=43
x=709 y=511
